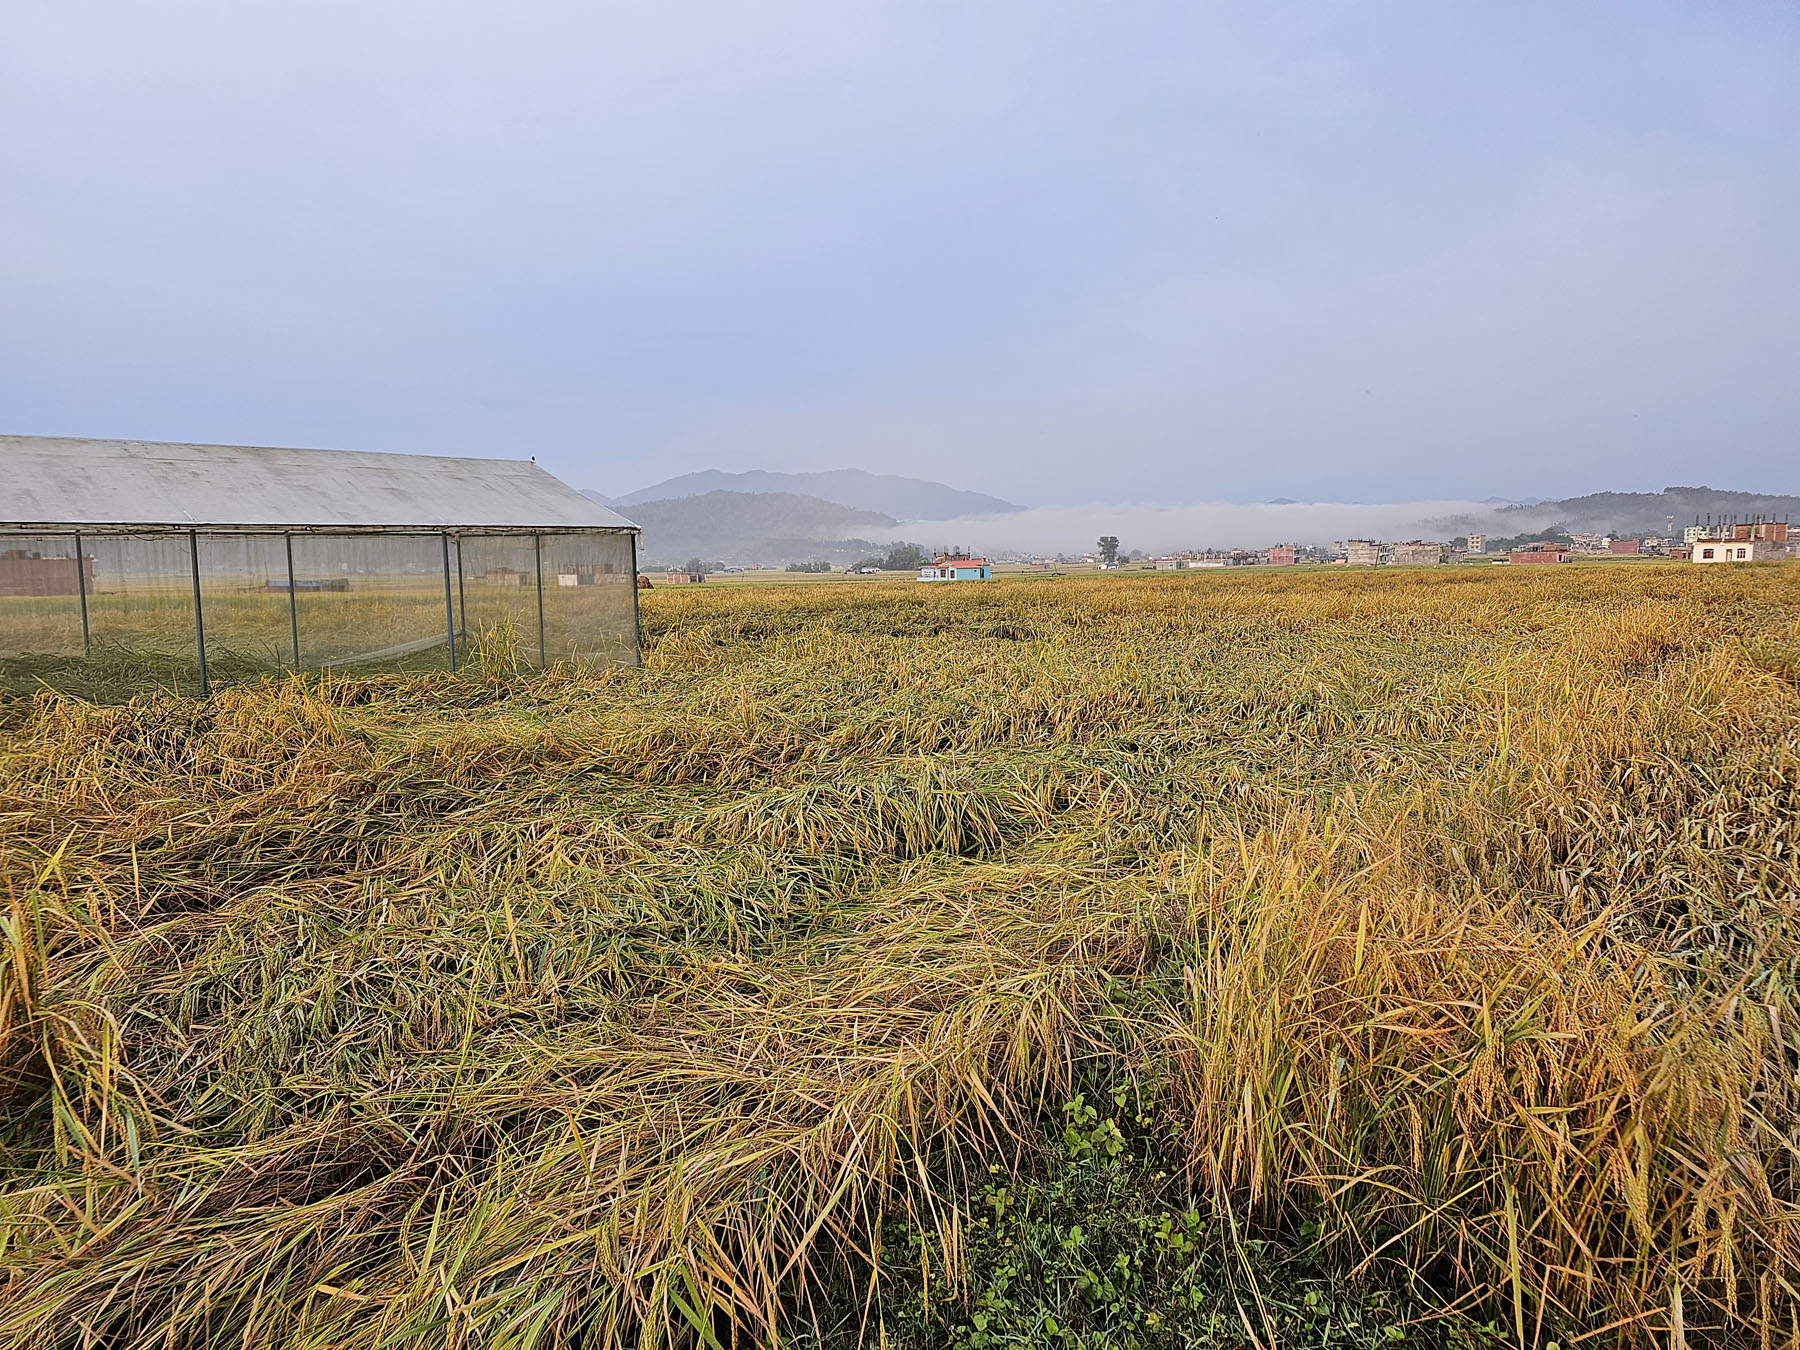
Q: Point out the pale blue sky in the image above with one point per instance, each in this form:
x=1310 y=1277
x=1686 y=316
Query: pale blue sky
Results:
x=1057 y=251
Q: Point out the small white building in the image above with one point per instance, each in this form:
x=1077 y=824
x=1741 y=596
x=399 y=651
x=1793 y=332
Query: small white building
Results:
x=956 y=567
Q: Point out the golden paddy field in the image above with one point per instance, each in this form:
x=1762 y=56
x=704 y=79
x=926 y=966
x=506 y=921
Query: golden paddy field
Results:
x=1251 y=959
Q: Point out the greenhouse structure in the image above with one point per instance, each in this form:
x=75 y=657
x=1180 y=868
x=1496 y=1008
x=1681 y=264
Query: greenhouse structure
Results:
x=197 y=563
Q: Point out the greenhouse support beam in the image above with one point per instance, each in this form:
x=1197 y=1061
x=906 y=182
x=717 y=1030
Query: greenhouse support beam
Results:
x=462 y=597
x=449 y=605
x=81 y=589
x=293 y=601
x=199 y=620
x=537 y=551
x=637 y=621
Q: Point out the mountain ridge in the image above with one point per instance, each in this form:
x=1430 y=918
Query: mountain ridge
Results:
x=857 y=489
x=753 y=528
x=1629 y=513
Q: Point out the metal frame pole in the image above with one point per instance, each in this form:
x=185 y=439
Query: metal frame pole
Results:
x=537 y=549
x=293 y=601
x=462 y=596
x=199 y=620
x=637 y=621
x=449 y=605
x=87 y=645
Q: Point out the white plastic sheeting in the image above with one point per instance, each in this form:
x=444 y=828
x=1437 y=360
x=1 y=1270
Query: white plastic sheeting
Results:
x=54 y=482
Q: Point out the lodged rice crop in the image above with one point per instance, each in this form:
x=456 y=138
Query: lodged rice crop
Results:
x=1442 y=923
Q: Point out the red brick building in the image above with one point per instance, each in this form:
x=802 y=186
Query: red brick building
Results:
x=1543 y=553
x=24 y=572
x=1281 y=555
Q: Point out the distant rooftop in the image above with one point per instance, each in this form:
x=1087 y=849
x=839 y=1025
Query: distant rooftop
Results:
x=59 y=481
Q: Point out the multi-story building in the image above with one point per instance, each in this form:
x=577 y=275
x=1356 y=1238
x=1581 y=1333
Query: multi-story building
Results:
x=1742 y=541
x=1418 y=553
x=1362 y=553
x=1478 y=543
x=1737 y=550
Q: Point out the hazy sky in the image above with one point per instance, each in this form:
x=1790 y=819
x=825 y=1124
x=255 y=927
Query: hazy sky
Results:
x=1056 y=251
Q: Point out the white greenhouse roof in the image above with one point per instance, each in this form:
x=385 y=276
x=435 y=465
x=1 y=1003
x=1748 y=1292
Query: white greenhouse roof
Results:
x=68 y=481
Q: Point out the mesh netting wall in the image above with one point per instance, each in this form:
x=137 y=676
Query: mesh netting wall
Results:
x=40 y=595
x=97 y=611
x=244 y=602
x=372 y=600
x=498 y=595
x=590 y=598
x=70 y=604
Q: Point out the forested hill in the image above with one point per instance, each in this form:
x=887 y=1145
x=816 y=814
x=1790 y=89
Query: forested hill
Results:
x=1649 y=512
x=1621 y=513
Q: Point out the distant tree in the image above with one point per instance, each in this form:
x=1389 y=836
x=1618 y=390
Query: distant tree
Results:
x=900 y=558
x=809 y=567
x=1109 y=548
x=1553 y=535
x=694 y=565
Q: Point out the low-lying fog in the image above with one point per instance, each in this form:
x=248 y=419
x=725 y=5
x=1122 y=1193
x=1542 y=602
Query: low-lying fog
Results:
x=1163 y=529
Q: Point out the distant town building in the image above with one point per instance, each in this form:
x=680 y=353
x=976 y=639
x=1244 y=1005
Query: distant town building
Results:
x=1362 y=552
x=1478 y=543
x=1726 y=550
x=1625 y=548
x=956 y=567
x=1418 y=553
x=1692 y=533
x=1282 y=555
x=29 y=572
x=683 y=578
x=1539 y=553
x=1742 y=541
x=1587 y=542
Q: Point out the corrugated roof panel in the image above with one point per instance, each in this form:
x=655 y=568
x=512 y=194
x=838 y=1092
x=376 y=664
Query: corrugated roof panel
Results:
x=56 y=480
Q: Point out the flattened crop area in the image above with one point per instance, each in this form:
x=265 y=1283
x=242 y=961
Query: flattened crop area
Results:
x=1438 y=926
